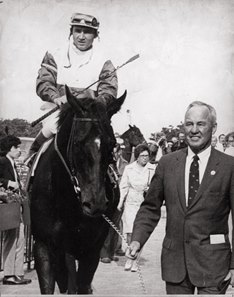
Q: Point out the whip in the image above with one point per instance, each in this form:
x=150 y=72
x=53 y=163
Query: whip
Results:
x=34 y=123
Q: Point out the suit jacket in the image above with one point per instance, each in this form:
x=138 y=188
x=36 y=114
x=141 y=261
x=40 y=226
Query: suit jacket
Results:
x=6 y=171
x=6 y=174
x=187 y=246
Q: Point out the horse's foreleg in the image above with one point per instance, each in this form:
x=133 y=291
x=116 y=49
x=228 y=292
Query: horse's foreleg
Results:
x=72 y=274
x=87 y=267
x=61 y=272
x=44 y=268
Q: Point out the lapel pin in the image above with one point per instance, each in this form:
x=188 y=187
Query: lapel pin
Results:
x=212 y=172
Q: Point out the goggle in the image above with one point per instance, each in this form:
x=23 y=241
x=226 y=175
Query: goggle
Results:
x=84 y=20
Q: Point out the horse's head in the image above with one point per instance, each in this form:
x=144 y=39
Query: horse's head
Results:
x=88 y=137
x=133 y=135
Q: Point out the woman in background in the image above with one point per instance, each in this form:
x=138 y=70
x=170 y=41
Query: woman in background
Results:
x=133 y=186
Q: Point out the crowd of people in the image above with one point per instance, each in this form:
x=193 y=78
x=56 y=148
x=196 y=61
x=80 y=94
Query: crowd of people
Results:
x=224 y=143
x=191 y=174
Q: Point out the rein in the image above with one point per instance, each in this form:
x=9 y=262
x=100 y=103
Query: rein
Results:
x=73 y=178
x=71 y=172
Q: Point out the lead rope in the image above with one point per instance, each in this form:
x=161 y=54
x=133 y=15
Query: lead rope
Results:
x=139 y=273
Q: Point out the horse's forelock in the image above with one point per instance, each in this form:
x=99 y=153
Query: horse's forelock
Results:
x=93 y=109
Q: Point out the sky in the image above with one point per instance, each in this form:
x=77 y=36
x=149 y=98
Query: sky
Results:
x=186 y=50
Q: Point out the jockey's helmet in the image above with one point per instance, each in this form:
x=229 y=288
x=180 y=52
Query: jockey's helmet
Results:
x=84 y=20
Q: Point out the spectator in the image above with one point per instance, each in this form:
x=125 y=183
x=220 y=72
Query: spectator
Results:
x=230 y=145
x=169 y=147
x=180 y=144
x=214 y=141
x=120 y=161
x=112 y=243
x=161 y=142
x=174 y=139
x=13 y=239
x=221 y=145
x=153 y=147
x=135 y=181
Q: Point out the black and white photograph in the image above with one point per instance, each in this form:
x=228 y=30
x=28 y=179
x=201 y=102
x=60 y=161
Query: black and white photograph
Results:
x=116 y=147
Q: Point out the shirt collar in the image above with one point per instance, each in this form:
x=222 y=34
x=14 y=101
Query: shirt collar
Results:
x=204 y=155
x=82 y=53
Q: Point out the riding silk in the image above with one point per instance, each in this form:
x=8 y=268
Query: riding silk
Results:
x=86 y=68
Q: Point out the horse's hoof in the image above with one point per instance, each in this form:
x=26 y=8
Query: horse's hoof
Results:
x=106 y=260
x=85 y=291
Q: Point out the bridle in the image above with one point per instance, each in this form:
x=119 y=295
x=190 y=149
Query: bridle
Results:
x=70 y=168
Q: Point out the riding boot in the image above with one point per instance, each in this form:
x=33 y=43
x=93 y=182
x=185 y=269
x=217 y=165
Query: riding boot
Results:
x=37 y=143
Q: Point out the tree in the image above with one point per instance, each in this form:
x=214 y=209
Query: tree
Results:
x=169 y=131
x=18 y=128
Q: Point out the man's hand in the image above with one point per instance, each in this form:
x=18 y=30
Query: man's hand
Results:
x=230 y=275
x=120 y=206
x=85 y=94
x=60 y=100
x=3 y=196
x=13 y=184
x=133 y=250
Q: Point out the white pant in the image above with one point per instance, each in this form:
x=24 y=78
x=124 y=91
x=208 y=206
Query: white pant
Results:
x=50 y=125
x=13 y=251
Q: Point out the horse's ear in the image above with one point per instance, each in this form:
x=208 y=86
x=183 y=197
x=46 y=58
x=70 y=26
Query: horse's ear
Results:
x=116 y=105
x=130 y=126
x=71 y=99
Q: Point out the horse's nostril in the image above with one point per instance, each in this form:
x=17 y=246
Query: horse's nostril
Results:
x=87 y=205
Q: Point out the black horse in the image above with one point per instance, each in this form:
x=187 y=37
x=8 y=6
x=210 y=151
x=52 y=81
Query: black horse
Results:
x=132 y=137
x=70 y=192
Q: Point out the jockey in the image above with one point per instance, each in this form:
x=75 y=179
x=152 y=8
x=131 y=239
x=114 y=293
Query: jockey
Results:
x=78 y=65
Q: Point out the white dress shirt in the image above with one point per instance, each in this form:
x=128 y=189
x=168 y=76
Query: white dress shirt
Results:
x=203 y=160
x=13 y=166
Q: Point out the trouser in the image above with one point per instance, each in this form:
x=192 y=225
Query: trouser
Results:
x=13 y=251
x=50 y=125
x=186 y=287
x=48 y=130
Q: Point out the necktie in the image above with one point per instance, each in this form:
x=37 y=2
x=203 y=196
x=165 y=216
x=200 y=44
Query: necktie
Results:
x=193 y=179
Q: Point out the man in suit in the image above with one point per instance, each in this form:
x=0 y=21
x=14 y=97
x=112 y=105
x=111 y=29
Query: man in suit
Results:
x=197 y=186
x=13 y=241
x=113 y=244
